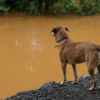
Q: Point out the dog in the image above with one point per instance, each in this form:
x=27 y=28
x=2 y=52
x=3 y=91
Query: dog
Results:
x=71 y=52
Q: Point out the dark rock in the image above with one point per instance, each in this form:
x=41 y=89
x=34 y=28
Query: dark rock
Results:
x=98 y=74
x=46 y=85
x=83 y=77
x=55 y=91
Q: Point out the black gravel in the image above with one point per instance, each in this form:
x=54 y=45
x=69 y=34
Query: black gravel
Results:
x=55 y=91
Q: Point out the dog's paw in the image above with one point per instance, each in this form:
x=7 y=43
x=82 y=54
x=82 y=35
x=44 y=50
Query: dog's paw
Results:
x=75 y=82
x=92 y=88
x=99 y=87
x=62 y=83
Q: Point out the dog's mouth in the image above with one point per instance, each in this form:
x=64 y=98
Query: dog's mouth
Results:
x=52 y=33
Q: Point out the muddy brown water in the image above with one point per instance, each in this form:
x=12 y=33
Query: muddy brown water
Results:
x=28 y=58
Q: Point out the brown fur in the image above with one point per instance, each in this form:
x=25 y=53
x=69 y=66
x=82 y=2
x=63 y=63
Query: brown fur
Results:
x=72 y=52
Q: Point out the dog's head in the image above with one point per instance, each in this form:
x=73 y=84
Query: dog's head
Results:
x=59 y=32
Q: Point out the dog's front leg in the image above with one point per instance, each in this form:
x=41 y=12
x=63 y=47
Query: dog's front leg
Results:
x=75 y=74
x=63 y=65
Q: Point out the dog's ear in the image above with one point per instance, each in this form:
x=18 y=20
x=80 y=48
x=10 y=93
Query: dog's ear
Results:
x=66 y=29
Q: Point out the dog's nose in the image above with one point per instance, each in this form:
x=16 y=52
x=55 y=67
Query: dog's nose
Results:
x=52 y=33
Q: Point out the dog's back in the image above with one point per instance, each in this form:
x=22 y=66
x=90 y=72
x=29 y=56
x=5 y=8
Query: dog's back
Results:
x=75 y=52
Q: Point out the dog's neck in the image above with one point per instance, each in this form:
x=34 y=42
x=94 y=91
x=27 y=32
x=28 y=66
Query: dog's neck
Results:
x=60 y=41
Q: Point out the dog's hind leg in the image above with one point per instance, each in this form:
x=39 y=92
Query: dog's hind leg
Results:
x=92 y=62
x=75 y=74
x=98 y=68
x=91 y=72
x=63 y=65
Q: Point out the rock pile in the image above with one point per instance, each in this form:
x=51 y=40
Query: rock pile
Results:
x=55 y=91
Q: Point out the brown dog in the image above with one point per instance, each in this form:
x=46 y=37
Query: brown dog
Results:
x=72 y=52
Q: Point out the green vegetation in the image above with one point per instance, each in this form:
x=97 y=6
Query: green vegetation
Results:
x=3 y=6
x=38 y=7
x=88 y=7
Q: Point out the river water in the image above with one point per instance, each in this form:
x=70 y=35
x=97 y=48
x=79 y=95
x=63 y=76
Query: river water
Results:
x=28 y=58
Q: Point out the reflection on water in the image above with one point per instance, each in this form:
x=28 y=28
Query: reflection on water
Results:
x=28 y=58
x=33 y=69
x=16 y=42
x=36 y=46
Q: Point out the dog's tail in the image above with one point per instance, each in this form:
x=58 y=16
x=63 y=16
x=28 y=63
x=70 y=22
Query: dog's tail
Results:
x=98 y=48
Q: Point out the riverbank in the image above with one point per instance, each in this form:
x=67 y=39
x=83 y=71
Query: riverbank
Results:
x=55 y=91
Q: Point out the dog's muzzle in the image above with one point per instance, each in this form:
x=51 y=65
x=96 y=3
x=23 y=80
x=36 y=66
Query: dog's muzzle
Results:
x=52 y=33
